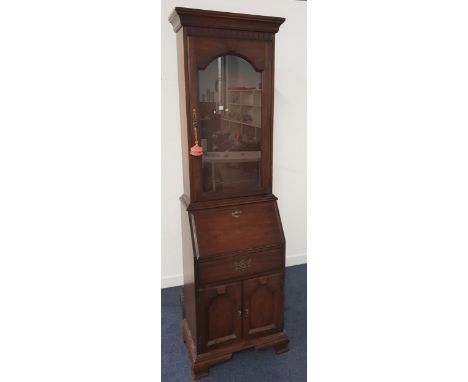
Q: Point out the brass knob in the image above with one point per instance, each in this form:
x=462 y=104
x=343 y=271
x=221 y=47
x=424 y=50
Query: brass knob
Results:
x=236 y=214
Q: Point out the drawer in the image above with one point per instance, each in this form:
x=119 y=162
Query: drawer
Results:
x=237 y=228
x=244 y=264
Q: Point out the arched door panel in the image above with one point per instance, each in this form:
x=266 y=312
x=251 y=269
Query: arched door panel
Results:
x=231 y=117
x=221 y=309
x=263 y=305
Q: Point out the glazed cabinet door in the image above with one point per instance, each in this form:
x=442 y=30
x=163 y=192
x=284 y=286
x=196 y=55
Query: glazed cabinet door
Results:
x=230 y=92
x=263 y=305
x=220 y=315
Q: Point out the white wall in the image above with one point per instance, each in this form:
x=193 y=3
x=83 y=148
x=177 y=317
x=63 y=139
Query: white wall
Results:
x=289 y=151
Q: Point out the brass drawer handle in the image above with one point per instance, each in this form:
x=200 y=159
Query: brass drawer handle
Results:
x=242 y=265
x=236 y=214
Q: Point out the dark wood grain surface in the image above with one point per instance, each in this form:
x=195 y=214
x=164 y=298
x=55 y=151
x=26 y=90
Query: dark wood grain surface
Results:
x=240 y=266
x=235 y=228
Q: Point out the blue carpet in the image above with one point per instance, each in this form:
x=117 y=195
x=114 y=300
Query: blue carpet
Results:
x=248 y=365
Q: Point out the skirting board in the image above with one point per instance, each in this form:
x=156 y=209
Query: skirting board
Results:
x=176 y=280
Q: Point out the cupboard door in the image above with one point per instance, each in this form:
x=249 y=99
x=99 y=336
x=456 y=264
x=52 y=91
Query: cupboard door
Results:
x=263 y=305
x=220 y=315
x=230 y=112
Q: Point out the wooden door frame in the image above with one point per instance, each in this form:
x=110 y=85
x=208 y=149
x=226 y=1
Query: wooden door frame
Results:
x=264 y=65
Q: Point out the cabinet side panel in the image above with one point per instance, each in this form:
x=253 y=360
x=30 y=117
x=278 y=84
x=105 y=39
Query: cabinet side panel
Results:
x=280 y=224
x=183 y=102
x=189 y=273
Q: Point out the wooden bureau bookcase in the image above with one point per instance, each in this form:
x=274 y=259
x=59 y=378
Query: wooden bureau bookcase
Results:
x=233 y=241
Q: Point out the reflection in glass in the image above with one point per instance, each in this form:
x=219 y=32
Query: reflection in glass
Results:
x=230 y=122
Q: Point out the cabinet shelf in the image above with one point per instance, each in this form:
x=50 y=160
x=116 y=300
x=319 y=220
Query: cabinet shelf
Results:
x=245 y=90
x=241 y=123
x=242 y=104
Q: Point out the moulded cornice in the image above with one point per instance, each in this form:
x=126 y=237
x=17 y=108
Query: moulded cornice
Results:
x=182 y=17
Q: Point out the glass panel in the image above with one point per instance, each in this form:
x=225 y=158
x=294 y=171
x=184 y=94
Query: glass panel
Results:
x=230 y=121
